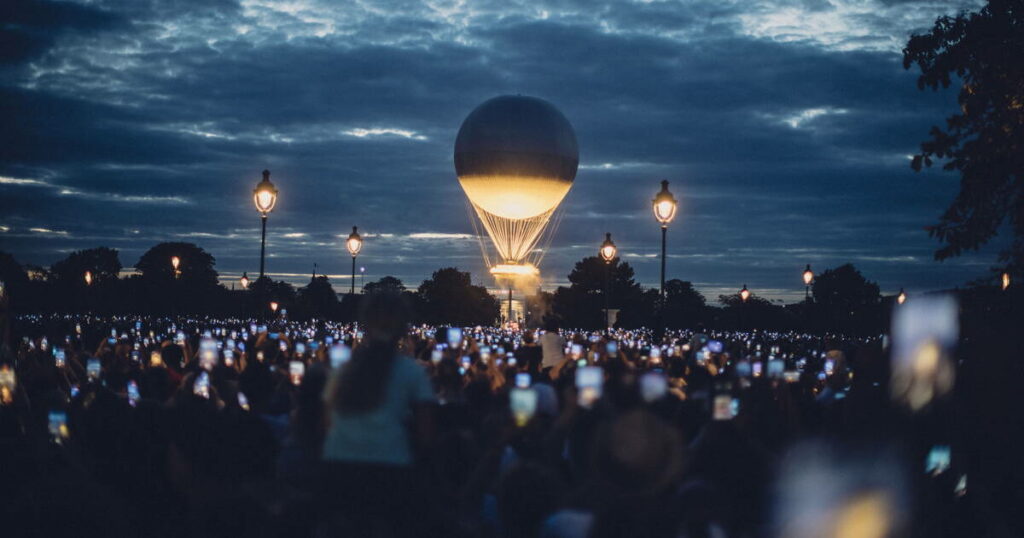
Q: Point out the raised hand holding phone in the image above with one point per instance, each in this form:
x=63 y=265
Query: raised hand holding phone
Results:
x=589 y=385
x=924 y=333
x=523 y=402
x=201 y=387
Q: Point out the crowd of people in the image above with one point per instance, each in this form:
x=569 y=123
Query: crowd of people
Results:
x=134 y=426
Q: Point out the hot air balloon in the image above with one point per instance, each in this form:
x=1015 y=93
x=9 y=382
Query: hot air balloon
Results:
x=516 y=158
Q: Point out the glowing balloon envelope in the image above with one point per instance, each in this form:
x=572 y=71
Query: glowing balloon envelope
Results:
x=516 y=158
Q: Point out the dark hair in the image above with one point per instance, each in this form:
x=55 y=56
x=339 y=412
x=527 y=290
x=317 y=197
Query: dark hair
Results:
x=384 y=317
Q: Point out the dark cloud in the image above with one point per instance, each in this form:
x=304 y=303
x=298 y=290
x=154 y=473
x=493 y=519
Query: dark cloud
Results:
x=134 y=122
x=29 y=27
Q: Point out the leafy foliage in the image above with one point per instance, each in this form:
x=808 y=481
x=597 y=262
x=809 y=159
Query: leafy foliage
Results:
x=196 y=264
x=582 y=303
x=449 y=297
x=317 y=299
x=982 y=52
x=684 y=305
x=847 y=299
x=387 y=283
x=103 y=262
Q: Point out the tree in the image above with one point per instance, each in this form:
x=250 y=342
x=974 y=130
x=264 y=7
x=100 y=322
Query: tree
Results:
x=984 y=140
x=449 y=297
x=12 y=274
x=848 y=300
x=639 y=309
x=14 y=295
x=582 y=303
x=264 y=290
x=387 y=283
x=317 y=299
x=755 y=313
x=195 y=267
x=102 y=262
x=194 y=289
x=684 y=305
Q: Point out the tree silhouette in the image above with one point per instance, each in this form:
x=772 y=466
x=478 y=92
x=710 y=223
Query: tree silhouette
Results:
x=684 y=305
x=449 y=297
x=582 y=303
x=10 y=270
x=734 y=300
x=196 y=265
x=102 y=262
x=317 y=299
x=848 y=300
x=387 y=283
x=981 y=51
x=264 y=290
x=15 y=297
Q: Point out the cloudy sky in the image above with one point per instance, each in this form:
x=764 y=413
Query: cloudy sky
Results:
x=784 y=127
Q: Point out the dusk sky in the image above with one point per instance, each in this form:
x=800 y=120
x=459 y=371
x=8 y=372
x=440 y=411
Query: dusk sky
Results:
x=784 y=127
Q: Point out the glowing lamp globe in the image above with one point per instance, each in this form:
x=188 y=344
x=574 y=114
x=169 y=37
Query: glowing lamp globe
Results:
x=664 y=205
x=808 y=275
x=354 y=243
x=265 y=195
x=608 y=249
x=744 y=293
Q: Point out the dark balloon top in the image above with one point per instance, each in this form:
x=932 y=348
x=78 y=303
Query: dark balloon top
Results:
x=516 y=135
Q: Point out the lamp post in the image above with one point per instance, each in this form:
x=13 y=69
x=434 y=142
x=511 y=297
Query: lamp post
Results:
x=354 y=244
x=1006 y=280
x=744 y=295
x=902 y=297
x=244 y=281
x=808 y=278
x=88 y=278
x=175 y=263
x=265 y=198
x=664 y=205
x=608 y=251
x=274 y=306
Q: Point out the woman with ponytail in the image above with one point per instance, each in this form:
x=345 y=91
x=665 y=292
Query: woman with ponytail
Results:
x=379 y=404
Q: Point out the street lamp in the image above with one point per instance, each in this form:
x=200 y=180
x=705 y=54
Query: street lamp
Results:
x=265 y=198
x=1006 y=280
x=664 y=205
x=354 y=244
x=273 y=306
x=902 y=297
x=808 y=277
x=88 y=278
x=175 y=263
x=744 y=295
x=244 y=281
x=608 y=251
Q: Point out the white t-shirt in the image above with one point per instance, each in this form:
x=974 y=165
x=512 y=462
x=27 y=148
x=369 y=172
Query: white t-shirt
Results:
x=551 y=344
